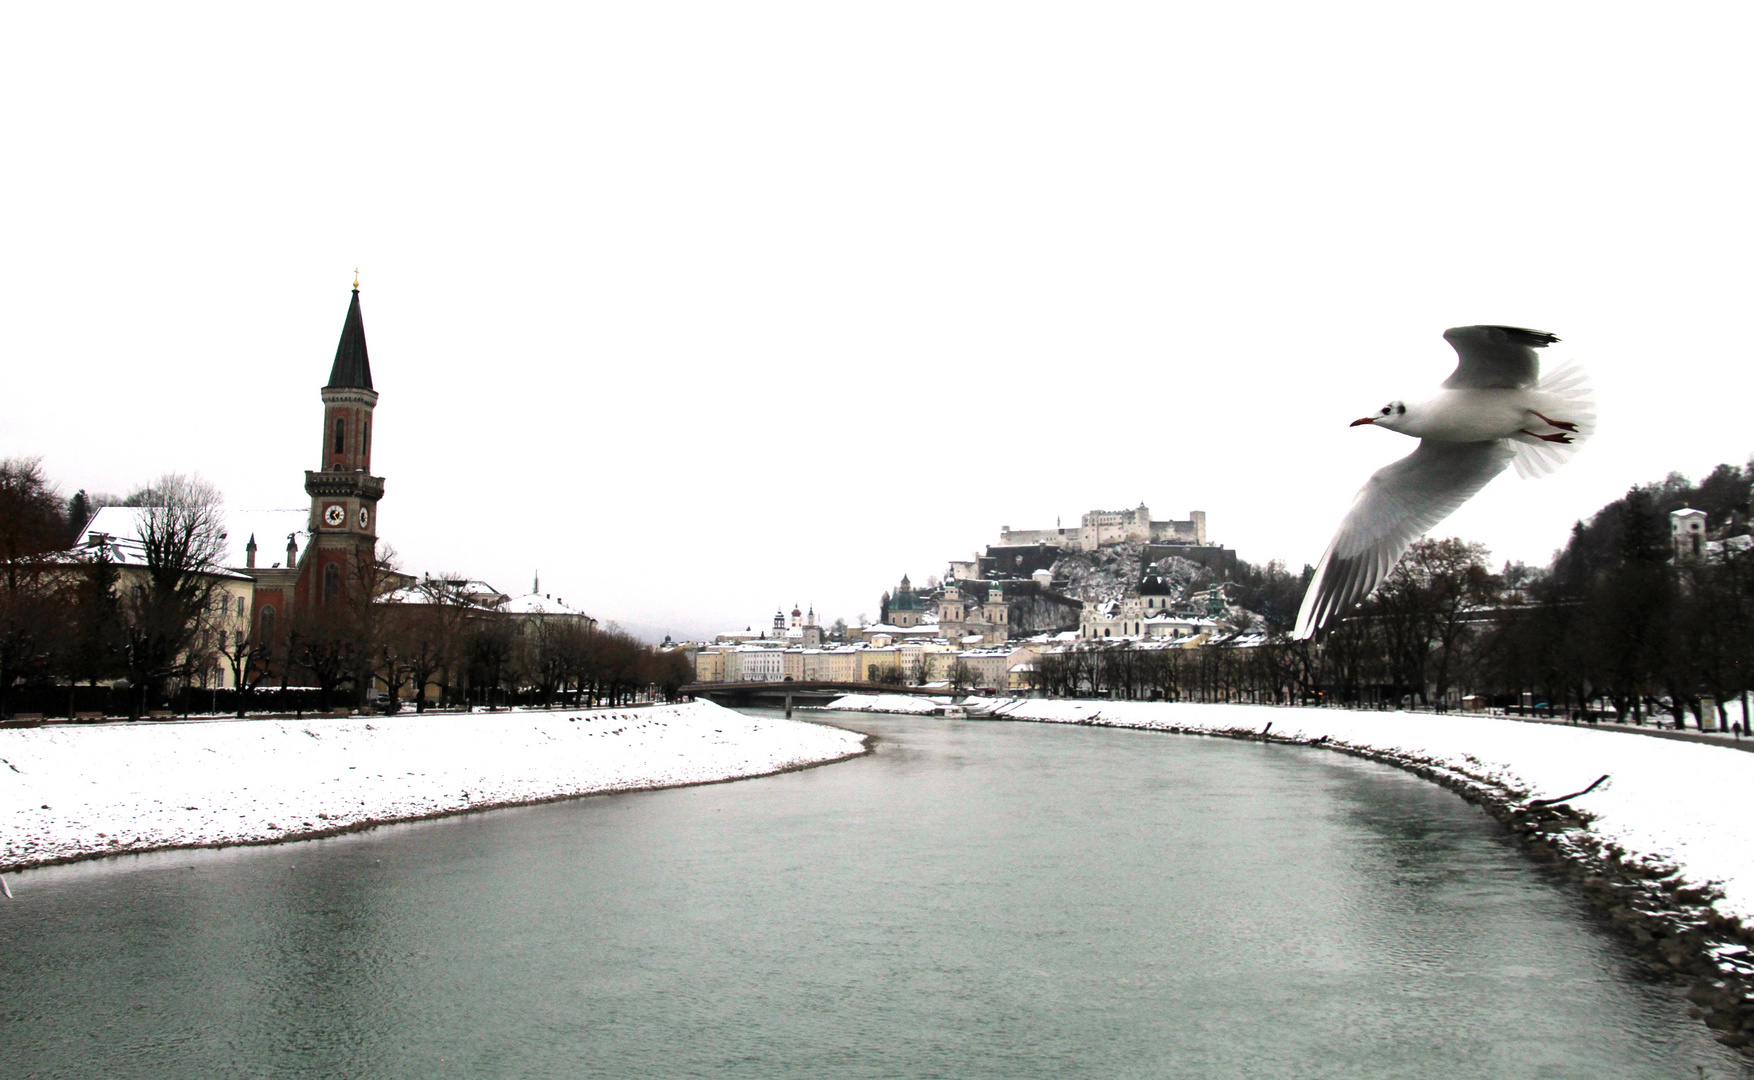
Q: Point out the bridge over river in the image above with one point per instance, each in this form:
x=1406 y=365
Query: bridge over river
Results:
x=805 y=693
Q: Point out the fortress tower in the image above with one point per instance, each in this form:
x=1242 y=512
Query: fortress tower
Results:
x=344 y=494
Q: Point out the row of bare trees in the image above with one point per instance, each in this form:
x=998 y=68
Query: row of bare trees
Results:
x=439 y=640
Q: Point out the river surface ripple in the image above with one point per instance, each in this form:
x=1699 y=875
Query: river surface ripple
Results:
x=972 y=900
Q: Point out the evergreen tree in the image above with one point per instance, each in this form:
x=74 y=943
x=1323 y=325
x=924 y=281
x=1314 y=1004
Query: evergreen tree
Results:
x=79 y=512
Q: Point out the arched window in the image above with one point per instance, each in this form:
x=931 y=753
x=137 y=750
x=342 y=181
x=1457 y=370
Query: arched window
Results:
x=365 y=436
x=331 y=583
x=265 y=631
x=340 y=435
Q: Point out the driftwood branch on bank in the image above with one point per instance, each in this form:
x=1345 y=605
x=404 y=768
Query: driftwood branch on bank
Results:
x=1573 y=795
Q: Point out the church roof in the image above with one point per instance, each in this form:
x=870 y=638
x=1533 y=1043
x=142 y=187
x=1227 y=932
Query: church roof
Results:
x=352 y=365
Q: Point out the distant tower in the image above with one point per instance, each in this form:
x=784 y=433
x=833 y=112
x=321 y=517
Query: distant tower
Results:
x=797 y=622
x=951 y=614
x=344 y=494
x=998 y=613
x=1687 y=529
x=779 y=623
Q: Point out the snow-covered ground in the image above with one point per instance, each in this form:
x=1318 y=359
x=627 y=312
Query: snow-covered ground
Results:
x=1667 y=801
x=67 y=791
x=893 y=703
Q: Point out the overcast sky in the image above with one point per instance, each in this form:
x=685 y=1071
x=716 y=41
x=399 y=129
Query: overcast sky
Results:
x=703 y=309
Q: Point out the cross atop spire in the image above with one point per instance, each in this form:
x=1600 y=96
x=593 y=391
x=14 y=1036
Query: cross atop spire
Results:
x=352 y=365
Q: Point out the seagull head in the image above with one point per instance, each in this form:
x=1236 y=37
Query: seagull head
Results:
x=1390 y=416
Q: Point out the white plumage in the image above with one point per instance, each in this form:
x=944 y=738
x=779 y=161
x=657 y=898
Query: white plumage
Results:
x=1493 y=411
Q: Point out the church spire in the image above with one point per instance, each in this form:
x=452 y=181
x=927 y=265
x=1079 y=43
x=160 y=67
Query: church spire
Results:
x=352 y=365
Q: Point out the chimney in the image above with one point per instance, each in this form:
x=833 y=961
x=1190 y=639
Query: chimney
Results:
x=291 y=550
x=250 y=553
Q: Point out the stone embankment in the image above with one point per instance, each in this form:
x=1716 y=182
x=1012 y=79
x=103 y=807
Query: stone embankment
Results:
x=72 y=792
x=1648 y=829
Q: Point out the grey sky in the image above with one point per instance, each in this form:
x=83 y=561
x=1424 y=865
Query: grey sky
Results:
x=706 y=308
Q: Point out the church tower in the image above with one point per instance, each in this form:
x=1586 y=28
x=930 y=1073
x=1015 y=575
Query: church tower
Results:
x=344 y=494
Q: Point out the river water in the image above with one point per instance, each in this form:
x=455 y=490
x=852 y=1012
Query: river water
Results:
x=972 y=900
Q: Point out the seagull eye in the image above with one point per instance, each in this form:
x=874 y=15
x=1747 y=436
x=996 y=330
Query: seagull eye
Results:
x=1385 y=410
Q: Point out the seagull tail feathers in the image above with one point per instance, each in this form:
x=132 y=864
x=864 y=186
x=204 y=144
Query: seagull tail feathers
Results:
x=1564 y=394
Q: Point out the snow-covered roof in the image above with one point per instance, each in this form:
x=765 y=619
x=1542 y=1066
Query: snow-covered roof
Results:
x=925 y=630
x=478 y=593
x=121 y=524
x=537 y=604
x=1251 y=640
x=1165 y=619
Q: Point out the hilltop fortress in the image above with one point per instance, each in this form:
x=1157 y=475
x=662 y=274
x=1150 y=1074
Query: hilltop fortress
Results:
x=1100 y=528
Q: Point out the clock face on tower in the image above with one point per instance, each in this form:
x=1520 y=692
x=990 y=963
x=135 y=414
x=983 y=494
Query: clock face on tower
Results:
x=364 y=516
x=334 y=514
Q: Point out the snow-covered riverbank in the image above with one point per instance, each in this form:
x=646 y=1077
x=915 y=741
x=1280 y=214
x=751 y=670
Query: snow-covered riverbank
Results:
x=67 y=792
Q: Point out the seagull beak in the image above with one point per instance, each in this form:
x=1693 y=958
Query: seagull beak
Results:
x=1362 y=420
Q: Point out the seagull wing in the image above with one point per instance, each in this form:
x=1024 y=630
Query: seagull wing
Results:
x=1400 y=503
x=1495 y=357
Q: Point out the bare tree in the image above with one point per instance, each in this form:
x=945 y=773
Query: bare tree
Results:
x=372 y=576
x=963 y=675
x=423 y=638
x=671 y=671
x=328 y=656
x=250 y=662
x=182 y=539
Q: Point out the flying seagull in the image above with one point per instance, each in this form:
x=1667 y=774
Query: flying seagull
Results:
x=1494 y=411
